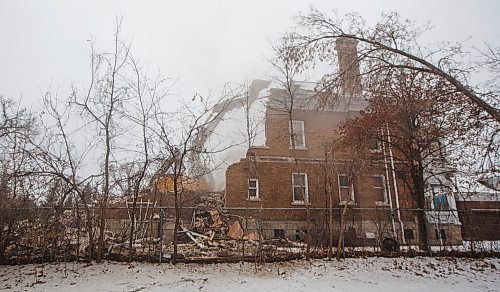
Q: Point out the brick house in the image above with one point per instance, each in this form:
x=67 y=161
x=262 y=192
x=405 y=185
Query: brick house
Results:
x=290 y=185
x=284 y=186
x=444 y=225
x=478 y=205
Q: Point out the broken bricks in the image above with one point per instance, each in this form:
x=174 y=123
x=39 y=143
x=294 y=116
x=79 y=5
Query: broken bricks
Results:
x=216 y=220
x=252 y=236
x=235 y=230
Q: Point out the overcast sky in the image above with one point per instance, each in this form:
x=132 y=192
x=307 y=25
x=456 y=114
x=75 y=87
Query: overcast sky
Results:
x=202 y=43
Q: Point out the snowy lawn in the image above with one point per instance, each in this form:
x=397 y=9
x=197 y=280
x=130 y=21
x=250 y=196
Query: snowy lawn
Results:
x=361 y=274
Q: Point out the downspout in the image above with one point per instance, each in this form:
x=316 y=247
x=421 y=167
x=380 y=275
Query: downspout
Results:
x=388 y=186
x=396 y=193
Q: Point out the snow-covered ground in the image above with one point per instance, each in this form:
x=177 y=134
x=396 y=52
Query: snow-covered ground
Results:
x=361 y=274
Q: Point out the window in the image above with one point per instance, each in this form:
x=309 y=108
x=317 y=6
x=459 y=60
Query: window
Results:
x=253 y=189
x=440 y=202
x=378 y=185
x=297 y=137
x=439 y=198
x=374 y=144
x=409 y=234
x=346 y=190
x=279 y=233
x=299 y=183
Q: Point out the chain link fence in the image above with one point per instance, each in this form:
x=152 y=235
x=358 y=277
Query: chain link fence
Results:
x=235 y=234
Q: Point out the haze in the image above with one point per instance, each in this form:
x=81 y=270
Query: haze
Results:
x=200 y=44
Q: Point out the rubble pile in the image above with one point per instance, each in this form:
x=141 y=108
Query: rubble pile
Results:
x=210 y=223
x=45 y=239
x=211 y=201
x=212 y=236
x=217 y=236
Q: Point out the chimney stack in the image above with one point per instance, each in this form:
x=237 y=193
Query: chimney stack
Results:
x=350 y=79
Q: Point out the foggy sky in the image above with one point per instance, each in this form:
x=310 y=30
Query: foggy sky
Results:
x=201 y=44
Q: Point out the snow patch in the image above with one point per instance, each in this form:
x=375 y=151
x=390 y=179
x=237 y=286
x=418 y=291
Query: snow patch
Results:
x=358 y=274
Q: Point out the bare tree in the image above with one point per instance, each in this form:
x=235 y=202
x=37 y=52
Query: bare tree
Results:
x=415 y=114
x=17 y=191
x=252 y=127
x=390 y=45
x=329 y=186
x=357 y=161
x=145 y=96
x=57 y=158
x=13 y=118
x=287 y=65
x=186 y=160
x=101 y=104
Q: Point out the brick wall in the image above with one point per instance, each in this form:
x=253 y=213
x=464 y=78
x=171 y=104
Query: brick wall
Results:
x=480 y=219
x=275 y=185
x=274 y=164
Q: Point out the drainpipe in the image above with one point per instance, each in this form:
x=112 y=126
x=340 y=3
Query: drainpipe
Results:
x=396 y=193
x=388 y=187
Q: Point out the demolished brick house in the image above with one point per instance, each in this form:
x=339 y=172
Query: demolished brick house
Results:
x=285 y=184
x=158 y=201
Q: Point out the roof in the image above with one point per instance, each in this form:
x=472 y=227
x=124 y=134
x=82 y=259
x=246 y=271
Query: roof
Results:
x=477 y=188
x=305 y=98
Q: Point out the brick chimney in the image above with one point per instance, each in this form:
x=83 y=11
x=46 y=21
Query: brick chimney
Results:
x=350 y=79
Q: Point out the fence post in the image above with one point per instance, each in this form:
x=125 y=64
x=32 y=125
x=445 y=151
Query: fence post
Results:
x=162 y=215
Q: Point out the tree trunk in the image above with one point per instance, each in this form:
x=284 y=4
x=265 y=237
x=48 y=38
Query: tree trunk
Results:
x=5 y=240
x=3 y=248
x=102 y=225
x=420 y=195
x=330 y=224
x=2 y=254
x=308 y=235
x=132 y=230
x=90 y=231
x=100 y=243
x=177 y=222
x=342 y=229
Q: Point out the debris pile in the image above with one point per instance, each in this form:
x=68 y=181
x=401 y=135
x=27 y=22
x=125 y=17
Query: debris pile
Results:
x=212 y=236
x=208 y=222
x=211 y=201
x=216 y=236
